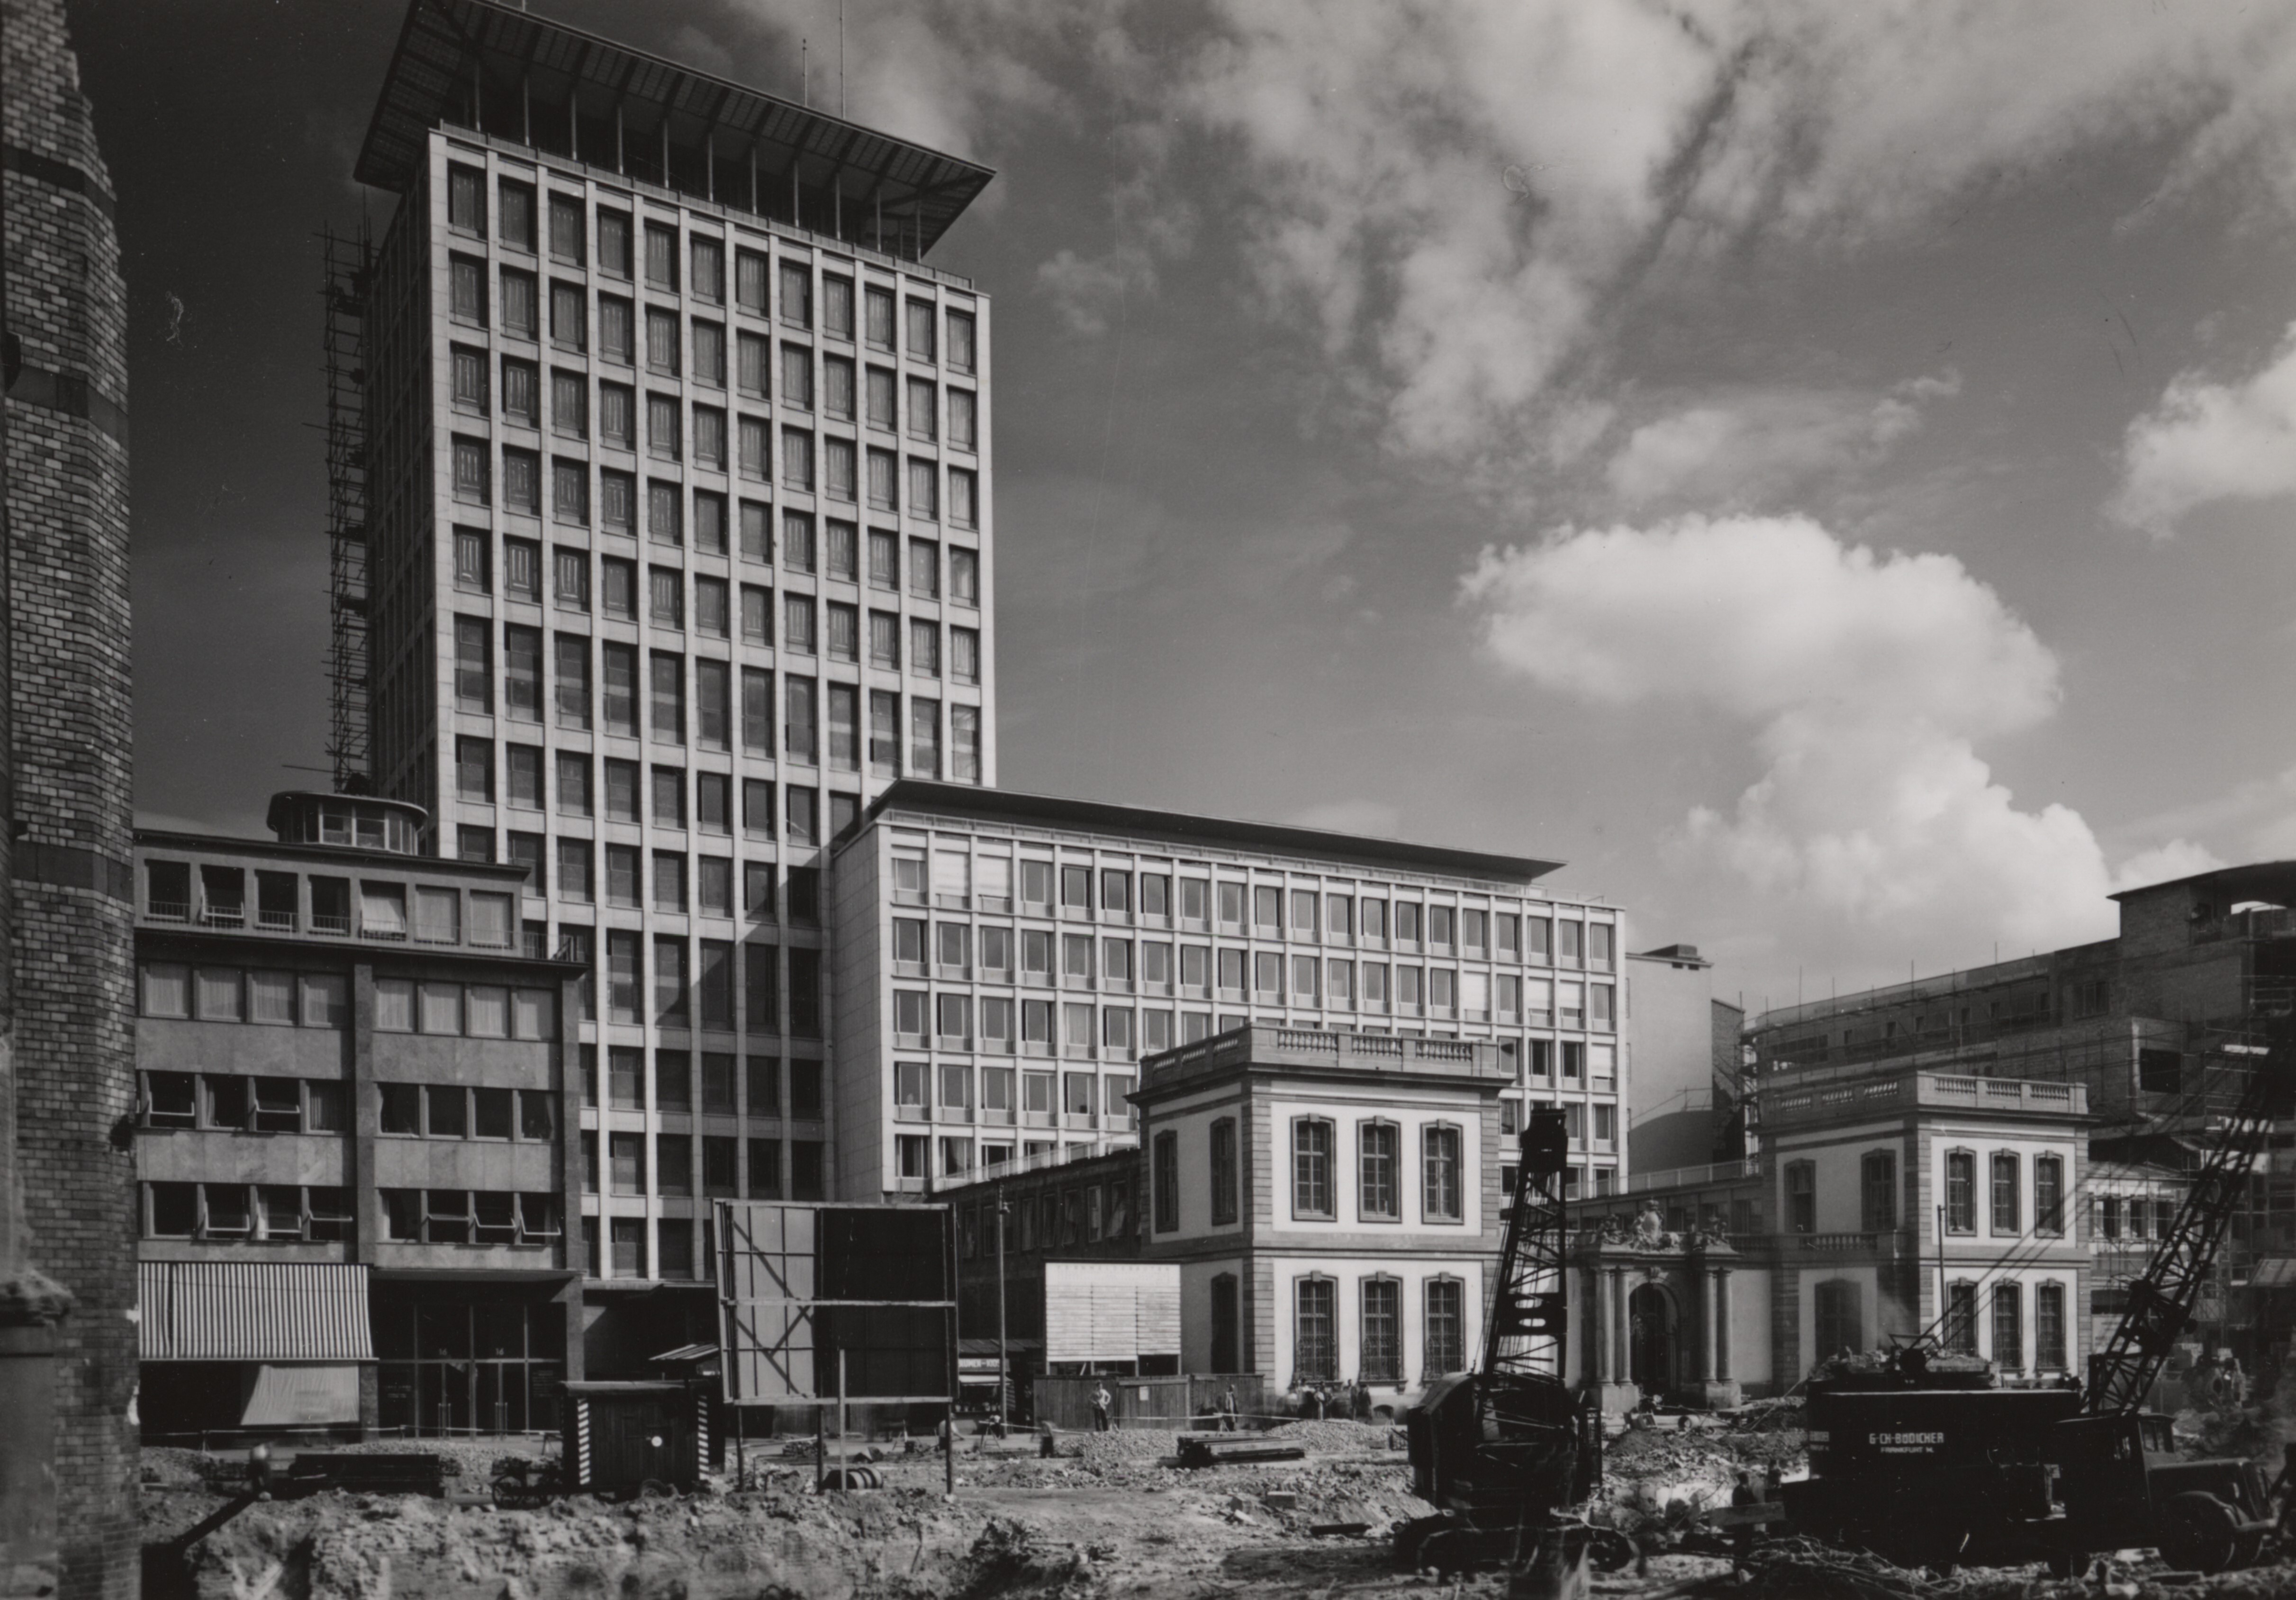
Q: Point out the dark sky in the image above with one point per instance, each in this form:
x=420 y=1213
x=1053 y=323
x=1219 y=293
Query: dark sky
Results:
x=1824 y=473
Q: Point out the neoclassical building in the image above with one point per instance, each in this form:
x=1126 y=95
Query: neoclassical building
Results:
x=1888 y=1200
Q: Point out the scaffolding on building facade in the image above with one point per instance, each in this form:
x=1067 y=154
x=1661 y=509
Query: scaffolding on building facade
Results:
x=348 y=261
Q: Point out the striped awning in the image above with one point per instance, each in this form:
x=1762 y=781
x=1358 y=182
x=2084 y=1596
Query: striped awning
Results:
x=254 y=1311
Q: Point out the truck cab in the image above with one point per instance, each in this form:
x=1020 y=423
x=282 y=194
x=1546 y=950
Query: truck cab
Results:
x=2122 y=1483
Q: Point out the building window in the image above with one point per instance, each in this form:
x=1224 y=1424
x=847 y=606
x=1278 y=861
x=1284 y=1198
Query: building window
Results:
x=2049 y=1327
x=1167 y=1182
x=1380 y=1359
x=1960 y=1192
x=1224 y=1172
x=1378 y=1155
x=2006 y=1186
x=1801 y=1197
x=1444 y=1191
x=1839 y=1322
x=2049 y=1194
x=2009 y=1327
x=1311 y=1168
x=1960 y=1318
x=1878 y=1173
x=1316 y=1346
x=1446 y=1318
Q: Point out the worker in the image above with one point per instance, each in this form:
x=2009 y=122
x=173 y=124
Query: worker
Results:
x=1228 y=1410
x=1311 y=1404
x=1741 y=1537
x=258 y=1471
x=1100 y=1401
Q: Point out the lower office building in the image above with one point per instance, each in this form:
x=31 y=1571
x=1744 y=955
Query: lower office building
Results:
x=356 y=1179
x=1002 y=963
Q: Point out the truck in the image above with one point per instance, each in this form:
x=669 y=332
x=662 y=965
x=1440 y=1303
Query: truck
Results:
x=1924 y=1458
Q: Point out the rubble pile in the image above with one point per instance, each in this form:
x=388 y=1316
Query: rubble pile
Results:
x=1656 y=1478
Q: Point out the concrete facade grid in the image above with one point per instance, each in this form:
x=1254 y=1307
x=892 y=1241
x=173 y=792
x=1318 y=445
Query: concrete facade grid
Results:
x=427 y=613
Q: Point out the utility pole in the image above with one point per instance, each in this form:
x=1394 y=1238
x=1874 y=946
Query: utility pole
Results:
x=1004 y=1351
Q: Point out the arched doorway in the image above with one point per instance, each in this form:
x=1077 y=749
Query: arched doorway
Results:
x=1650 y=1338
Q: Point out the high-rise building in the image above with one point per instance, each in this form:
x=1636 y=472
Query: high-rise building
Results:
x=68 y=1370
x=677 y=551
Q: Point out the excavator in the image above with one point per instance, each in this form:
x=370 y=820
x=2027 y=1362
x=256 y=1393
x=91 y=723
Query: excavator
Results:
x=1929 y=1461
x=1504 y=1450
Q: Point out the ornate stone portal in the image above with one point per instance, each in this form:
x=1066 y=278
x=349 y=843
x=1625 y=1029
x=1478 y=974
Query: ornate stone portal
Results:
x=1657 y=1314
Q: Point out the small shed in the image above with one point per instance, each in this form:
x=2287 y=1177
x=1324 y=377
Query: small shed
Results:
x=621 y=1436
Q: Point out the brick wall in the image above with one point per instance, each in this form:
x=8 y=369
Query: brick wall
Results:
x=69 y=760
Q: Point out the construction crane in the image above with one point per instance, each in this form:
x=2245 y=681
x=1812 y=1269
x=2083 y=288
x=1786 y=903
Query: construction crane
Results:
x=2116 y=1463
x=1501 y=1449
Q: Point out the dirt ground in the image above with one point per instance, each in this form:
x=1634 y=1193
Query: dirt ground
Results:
x=1111 y=1517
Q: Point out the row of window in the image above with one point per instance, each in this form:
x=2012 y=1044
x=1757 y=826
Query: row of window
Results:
x=1315 y=1154
x=622 y=250
x=959 y=880
x=1265 y=977
x=287 y=901
x=913 y=1154
x=2134 y=1217
x=1048 y=1219
x=1034 y=1094
x=454 y=1111
x=214 y=994
x=1379 y=1310
x=838 y=556
x=836 y=474
x=470 y=1216
x=714 y=721
x=234 y=1103
x=236 y=1213
x=697 y=349
x=719 y=607
x=1879 y=1197
x=673 y=1172
x=673 y=1083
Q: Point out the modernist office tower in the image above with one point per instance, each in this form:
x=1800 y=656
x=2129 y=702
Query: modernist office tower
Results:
x=68 y=799
x=678 y=551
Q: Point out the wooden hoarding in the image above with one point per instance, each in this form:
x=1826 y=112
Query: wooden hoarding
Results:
x=808 y=1291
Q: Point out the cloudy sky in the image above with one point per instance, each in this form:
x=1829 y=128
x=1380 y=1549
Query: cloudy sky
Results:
x=1825 y=472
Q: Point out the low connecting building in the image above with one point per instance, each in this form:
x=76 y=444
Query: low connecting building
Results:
x=356 y=1177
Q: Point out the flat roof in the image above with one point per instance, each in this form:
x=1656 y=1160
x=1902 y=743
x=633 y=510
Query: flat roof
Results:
x=516 y=58
x=1182 y=827
x=2274 y=882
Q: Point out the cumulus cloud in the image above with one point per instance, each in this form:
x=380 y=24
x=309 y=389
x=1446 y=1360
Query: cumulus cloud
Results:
x=1869 y=680
x=1748 y=449
x=1452 y=190
x=2209 y=441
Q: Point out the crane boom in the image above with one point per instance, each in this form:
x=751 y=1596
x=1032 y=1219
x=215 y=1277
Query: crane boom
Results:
x=2160 y=1302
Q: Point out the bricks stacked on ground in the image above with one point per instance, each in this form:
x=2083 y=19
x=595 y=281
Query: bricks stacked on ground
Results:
x=67 y=506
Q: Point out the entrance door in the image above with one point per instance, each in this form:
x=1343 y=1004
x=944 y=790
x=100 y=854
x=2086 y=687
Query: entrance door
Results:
x=1224 y=1324
x=1650 y=1345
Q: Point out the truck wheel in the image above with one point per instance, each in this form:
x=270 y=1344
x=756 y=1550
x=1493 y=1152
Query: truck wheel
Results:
x=1411 y=1539
x=2199 y=1532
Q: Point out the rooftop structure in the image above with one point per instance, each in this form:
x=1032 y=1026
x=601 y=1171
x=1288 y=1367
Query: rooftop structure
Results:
x=502 y=70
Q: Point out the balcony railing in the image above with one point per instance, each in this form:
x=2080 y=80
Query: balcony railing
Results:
x=1690 y=1177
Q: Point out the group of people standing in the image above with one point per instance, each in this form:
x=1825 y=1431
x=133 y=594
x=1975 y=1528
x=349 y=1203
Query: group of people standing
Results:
x=1342 y=1400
